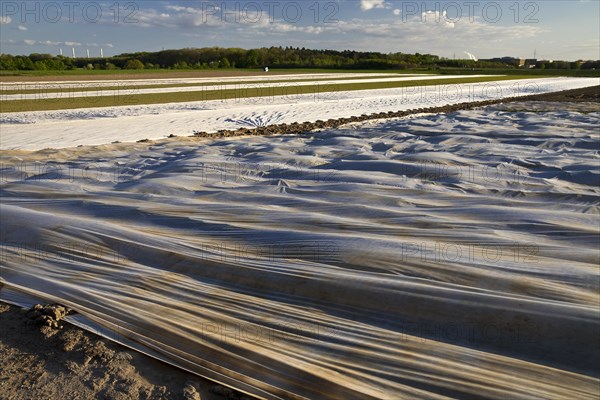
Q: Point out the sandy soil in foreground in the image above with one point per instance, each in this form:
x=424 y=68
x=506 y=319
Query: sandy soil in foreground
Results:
x=73 y=364
x=70 y=363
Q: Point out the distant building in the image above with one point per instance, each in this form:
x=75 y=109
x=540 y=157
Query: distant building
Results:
x=517 y=62
x=508 y=60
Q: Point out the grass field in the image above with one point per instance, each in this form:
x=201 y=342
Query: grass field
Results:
x=81 y=74
x=122 y=99
x=126 y=86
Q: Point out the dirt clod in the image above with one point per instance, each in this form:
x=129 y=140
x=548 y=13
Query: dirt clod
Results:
x=48 y=315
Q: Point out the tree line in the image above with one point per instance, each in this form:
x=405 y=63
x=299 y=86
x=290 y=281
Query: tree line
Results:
x=274 y=57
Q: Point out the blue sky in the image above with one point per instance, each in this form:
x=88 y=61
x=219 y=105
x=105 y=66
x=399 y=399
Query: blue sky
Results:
x=556 y=29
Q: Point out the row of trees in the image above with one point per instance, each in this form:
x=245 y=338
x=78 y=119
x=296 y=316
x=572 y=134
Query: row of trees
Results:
x=568 y=65
x=35 y=62
x=276 y=57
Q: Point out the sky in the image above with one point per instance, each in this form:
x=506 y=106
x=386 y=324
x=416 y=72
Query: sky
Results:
x=548 y=29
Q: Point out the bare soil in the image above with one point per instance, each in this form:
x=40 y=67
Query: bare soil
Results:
x=585 y=95
x=38 y=361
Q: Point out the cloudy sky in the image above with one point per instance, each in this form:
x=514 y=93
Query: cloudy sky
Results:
x=555 y=29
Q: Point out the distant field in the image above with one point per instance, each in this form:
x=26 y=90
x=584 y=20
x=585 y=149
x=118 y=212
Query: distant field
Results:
x=76 y=75
x=157 y=113
x=80 y=74
x=177 y=97
x=529 y=72
x=100 y=75
x=99 y=87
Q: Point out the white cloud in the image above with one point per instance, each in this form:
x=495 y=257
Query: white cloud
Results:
x=367 y=5
x=431 y=32
x=31 y=42
x=22 y=28
x=436 y=18
x=192 y=10
x=426 y=35
x=183 y=17
x=213 y=17
x=5 y=20
x=314 y=29
x=49 y=43
x=278 y=27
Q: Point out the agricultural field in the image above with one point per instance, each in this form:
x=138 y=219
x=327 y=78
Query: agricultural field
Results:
x=434 y=255
x=35 y=115
x=300 y=200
